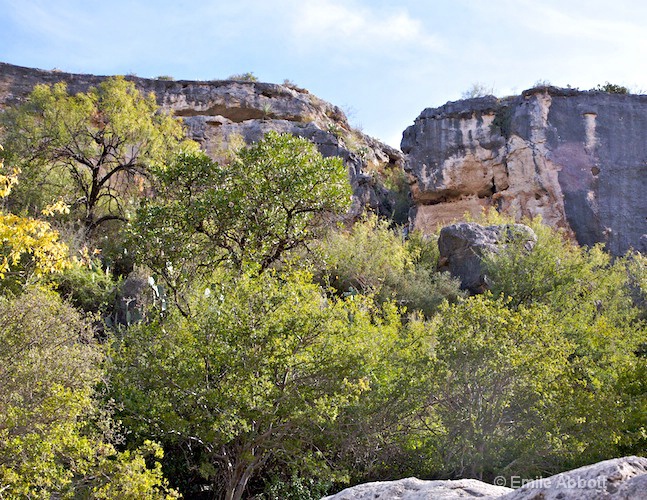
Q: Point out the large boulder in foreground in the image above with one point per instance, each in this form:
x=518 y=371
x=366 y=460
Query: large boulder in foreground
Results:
x=463 y=246
x=616 y=479
x=416 y=489
x=619 y=478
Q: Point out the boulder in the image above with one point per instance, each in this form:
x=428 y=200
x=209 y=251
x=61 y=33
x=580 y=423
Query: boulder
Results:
x=616 y=479
x=416 y=489
x=463 y=246
x=619 y=478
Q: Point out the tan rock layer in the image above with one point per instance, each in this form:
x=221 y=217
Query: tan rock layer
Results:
x=577 y=159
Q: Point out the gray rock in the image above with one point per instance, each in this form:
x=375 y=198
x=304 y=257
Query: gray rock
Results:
x=619 y=478
x=616 y=479
x=575 y=158
x=416 y=489
x=463 y=246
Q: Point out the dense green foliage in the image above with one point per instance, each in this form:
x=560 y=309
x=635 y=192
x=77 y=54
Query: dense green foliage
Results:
x=260 y=373
x=261 y=348
x=56 y=437
x=372 y=259
x=92 y=150
x=272 y=199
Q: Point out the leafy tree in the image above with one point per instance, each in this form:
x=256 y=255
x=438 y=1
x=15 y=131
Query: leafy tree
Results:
x=54 y=439
x=496 y=371
x=555 y=272
x=28 y=247
x=595 y=303
x=89 y=150
x=271 y=199
x=258 y=375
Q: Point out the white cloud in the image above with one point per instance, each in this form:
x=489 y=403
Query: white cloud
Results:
x=330 y=23
x=583 y=24
x=40 y=18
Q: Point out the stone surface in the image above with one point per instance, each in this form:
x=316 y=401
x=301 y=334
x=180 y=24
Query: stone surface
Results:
x=619 y=478
x=237 y=101
x=578 y=159
x=616 y=479
x=463 y=245
x=416 y=489
x=221 y=111
x=431 y=217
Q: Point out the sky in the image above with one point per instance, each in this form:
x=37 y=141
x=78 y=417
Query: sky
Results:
x=381 y=61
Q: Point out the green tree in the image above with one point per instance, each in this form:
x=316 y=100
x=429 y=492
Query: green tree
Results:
x=595 y=302
x=258 y=375
x=90 y=150
x=496 y=371
x=272 y=198
x=54 y=438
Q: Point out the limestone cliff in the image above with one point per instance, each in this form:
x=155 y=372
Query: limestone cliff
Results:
x=578 y=159
x=217 y=112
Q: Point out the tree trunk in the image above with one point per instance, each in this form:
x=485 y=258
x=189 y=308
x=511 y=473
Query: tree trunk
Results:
x=238 y=482
x=239 y=479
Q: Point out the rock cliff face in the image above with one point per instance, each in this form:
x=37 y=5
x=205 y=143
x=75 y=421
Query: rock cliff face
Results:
x=578 y=159
x=219 y=112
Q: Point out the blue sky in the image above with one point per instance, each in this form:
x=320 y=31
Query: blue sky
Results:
x=382 y=61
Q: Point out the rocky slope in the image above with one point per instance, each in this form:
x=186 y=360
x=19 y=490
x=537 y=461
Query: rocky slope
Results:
x=220 y=112
x=578 y=159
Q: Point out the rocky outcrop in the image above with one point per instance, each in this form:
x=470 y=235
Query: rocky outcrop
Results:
x=463 y=246
x=416 y=489
x=616 y=479
x=220 y=112
x=619 y=478
x=578 y=159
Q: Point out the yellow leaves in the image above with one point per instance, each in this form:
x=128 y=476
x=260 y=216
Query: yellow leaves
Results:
x=58 y=207
x=87 y=256
x=7 y=181
x=21 y=236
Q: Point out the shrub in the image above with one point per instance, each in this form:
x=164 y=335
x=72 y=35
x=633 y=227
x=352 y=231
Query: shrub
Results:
x=611 y=88
x=243 y=77
x=372 y=258
x=477 y=90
